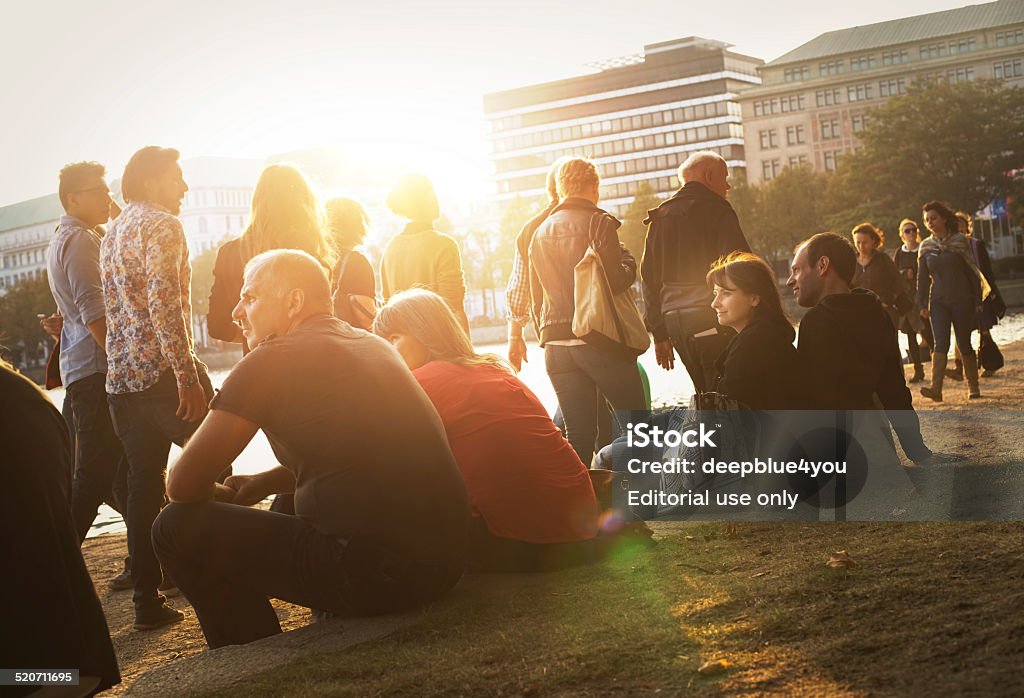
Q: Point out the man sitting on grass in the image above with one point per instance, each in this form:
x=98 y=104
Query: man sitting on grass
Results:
x=381 y=510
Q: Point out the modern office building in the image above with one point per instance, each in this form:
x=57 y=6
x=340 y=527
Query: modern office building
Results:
x=814 y=99
x=637 y=117
x=216 y=207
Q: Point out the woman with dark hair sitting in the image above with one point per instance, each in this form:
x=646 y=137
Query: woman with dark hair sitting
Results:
x=760 y=368
x=533 y=502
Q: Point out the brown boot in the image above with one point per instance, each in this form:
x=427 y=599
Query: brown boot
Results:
x=971 y=372
x=934 y=393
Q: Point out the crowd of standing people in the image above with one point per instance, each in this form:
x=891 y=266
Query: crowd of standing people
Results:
x=405 y=456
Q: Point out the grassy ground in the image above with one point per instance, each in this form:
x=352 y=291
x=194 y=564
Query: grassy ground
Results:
x=929 y=609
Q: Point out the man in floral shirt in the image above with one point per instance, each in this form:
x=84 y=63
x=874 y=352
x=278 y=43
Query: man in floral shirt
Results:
x=158 y=390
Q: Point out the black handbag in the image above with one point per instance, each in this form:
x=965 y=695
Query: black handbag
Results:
x=989 y=355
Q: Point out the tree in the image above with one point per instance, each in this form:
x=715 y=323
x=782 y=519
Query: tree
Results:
x=961 y=143
x=633 y=233
x=202 y=281
x=19 y=327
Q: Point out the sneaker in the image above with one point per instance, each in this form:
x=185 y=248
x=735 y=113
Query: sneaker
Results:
x=121 y=582
x=157 y=617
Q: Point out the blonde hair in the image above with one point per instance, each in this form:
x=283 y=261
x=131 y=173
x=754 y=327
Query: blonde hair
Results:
x=413 y=197
x=287 y=214
x=575 y=176
x=426 y=317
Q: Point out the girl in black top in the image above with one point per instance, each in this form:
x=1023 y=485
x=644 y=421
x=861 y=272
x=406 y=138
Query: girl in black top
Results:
x=911 y=324
x=760 y=367
x=354 y=284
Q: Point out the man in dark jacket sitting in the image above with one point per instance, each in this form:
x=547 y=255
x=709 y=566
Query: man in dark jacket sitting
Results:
x=849 y=342
x=686 y=234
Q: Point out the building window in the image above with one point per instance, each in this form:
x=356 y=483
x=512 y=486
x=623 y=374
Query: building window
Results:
x=202 y=225
x=1009 y=38
x=797 y=74
x=895 y=57
x=770 y=169
x=830 y=159
x=830 y=68
x=891 y=88
x=830 y=129
x=795 y=135
x=1008 y=69
x=798 y=161
x=769 y=139
x=862 y=63
x=859 y=121
x=930 y=51
x=962 y=45
x=858 y=93
x=826 y=98
x=960 y=75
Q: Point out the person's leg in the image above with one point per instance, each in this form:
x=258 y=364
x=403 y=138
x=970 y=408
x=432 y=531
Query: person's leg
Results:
x=69 y=420
x=146 y=448
x=229 y=560
x=98 y=453
x=914 y=350
x=577 y=398
x=964 y=324
x=617 y=378
x=698 y=339
x=940 y=324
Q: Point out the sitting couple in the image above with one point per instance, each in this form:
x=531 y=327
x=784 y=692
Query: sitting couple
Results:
x=383 y=521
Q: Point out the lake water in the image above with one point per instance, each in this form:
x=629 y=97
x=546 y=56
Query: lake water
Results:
x=667 y=387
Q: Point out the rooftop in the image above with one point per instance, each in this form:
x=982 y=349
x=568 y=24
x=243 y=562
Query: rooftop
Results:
x=907 y=29
x=26 y=213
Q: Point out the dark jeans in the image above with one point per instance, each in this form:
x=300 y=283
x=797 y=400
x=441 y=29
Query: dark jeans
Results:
x=147 y=425
x=229 y=560
x=698 y=354
x=581 y=375
x=101 y=469
x=963 y=319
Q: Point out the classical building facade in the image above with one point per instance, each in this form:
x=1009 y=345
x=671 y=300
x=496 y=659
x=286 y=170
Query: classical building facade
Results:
x=814 y=99
x=638 y=117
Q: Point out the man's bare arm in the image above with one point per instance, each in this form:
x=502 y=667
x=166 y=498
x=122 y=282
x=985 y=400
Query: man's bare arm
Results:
x=98 y=330
x=214 y=446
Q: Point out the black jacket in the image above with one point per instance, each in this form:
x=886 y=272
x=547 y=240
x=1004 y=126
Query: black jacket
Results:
x=686 y=234
x=557 y=247
x=761 y=368
x=852 y=353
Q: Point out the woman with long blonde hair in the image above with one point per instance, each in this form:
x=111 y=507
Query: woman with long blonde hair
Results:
x=533 y=503
x=286 y=214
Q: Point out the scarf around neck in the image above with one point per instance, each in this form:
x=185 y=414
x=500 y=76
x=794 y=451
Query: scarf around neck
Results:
x=958 y=244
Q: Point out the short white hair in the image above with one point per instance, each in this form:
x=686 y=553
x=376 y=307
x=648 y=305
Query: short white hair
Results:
x=285 y=270
x=696 y=165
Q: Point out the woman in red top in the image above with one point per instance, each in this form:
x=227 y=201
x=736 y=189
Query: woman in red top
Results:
x=532 y=498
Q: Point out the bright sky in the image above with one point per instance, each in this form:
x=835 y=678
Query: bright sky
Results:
x=97 y=80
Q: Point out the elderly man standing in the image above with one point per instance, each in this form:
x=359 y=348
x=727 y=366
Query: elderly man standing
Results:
x=158 y=390
x=381 y=522
x=685 y=235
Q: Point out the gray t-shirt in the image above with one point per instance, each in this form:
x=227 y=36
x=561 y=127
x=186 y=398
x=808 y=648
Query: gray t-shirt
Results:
x=368 y=451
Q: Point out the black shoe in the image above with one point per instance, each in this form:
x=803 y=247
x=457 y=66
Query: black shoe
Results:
x=157 y=617
x=918 y=375
x=956 y=374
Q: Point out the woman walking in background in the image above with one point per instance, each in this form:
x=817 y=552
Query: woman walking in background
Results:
x=876 y=272
x=286 y=214
x=581 y=372
x=992 y=308
x=911 y=324
x=420 y=256
x=354 y=285
x=950 y=289
x=533 y=503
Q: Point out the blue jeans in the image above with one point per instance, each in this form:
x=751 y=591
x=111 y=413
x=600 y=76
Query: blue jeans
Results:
x=147 y=425
x=581 y=375
x=963 y=319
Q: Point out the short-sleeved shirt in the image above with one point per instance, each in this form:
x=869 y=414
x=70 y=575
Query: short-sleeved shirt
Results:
x=73 y=270
x=524 y=479
x=368 y=451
